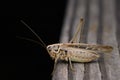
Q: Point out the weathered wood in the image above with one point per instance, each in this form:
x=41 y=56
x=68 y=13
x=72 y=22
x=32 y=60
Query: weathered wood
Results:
x=100 y=28
x=112 y=65
x=94 y=71
x=61 y=71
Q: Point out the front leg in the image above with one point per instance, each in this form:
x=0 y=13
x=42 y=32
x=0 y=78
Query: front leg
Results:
x=56 y=59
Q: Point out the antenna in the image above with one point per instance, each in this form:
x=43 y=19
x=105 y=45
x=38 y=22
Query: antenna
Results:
x=43 y=44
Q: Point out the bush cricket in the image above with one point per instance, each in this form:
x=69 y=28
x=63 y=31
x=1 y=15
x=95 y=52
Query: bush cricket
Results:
x=73 y=51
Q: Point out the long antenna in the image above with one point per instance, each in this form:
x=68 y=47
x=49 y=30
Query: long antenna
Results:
x=30 y=40
x=33 y=33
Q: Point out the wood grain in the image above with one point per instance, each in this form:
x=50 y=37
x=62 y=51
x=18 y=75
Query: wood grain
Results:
x=100 y=28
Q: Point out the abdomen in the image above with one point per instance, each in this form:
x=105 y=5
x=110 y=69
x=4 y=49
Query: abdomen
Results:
x=81 y=55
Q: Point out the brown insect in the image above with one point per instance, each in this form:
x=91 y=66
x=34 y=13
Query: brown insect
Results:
x=73 y=51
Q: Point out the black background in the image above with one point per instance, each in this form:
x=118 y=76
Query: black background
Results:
x=23 y=59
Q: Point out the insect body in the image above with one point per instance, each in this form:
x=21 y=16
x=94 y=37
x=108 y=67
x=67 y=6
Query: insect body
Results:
x=78 y=52
x=73 y=51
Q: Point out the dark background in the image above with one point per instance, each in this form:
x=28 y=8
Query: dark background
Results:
x=23 y=59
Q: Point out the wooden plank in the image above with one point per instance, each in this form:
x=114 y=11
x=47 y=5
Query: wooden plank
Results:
x=112 y=65
x=78 y=74
x=100 y=28
x=61 y=71
x=94 y=71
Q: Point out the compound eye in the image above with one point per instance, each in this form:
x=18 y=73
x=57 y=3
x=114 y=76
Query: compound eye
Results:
x=55 y=48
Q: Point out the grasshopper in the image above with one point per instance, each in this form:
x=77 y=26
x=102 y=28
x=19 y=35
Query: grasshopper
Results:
x=73 y=51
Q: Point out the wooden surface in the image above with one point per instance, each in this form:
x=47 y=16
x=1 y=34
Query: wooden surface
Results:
x=101 y=27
